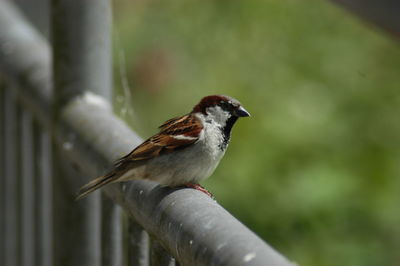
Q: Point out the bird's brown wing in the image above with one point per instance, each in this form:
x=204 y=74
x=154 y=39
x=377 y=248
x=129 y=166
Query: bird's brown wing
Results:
x=176 y=133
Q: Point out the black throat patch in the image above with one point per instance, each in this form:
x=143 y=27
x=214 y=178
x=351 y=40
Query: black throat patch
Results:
x=226 y=131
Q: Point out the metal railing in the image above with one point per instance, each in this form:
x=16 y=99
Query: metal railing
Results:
x=58 y=131
x=383 y=13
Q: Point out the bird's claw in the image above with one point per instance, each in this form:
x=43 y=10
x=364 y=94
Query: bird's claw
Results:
x=200 y=188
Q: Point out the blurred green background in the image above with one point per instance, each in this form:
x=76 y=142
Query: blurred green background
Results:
x=315 y=170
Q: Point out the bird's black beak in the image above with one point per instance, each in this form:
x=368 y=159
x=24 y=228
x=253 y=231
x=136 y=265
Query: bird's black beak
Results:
x=241 y=112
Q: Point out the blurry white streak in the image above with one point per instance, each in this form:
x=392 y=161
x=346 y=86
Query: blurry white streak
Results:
x=126 y=99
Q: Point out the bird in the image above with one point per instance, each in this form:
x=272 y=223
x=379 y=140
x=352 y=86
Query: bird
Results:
x=186 y=150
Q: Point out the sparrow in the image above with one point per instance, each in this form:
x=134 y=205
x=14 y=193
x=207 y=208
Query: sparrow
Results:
x=186 y=150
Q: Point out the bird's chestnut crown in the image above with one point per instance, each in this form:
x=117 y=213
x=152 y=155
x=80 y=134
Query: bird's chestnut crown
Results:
x=226 y=103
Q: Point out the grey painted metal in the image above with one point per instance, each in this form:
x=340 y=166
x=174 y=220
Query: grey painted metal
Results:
x=384 y=13
x=28 y=70
x=111 y=233
x=2 y=173
x=27 y=193
x=36 y=11
x=81 y=47
x=137 y=245
x=44 y=190
x=77 y=231
x=11 y=256
x=188 y=224
x=91 y=152
x=37 y=182
x=192 y=227
x=82 y=62
x=159 y=256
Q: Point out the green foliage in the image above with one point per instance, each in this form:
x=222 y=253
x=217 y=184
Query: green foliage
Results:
x=315 y=170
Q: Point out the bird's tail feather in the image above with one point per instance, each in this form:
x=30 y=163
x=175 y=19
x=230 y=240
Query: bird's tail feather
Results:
x=95 y=184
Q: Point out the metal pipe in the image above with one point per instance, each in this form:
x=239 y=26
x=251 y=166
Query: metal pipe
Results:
x=11 y=218
x=111 y=233
x=383 y=13
x=25 y=61
x=159 y=256
x=46 y=199
x=81 y=48
x=137 y=244
x=74 y=222
x=27 y=193
x=82 y=62
x=2 y=173
x=43 y=198
x=38 y=13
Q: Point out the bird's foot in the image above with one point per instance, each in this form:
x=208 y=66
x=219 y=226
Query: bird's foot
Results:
x=199 y=188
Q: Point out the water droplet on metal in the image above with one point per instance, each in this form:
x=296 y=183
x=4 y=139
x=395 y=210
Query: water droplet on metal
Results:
x=68 y=146
x=248 y=257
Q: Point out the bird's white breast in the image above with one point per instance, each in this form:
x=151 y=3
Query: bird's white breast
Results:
x=189 y=165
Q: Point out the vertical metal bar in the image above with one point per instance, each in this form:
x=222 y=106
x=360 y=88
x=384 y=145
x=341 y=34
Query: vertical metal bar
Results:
x=137 y=244
x=111 y=233
x=38 y=191
x=46 y=199
x=27 y=195
x=11 y=177
x=43 y=197
x=76 y=224
x=82 y=48
x=2 y=174
x=81 y=62
x=158 y=255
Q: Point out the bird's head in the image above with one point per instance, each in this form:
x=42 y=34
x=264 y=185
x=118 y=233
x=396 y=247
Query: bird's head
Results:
x=220 y=108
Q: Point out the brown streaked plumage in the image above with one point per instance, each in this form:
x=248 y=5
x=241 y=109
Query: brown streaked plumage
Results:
x=164 y=142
